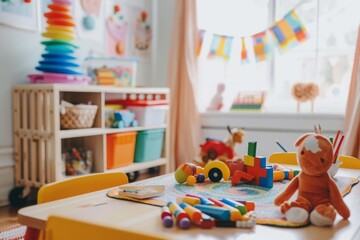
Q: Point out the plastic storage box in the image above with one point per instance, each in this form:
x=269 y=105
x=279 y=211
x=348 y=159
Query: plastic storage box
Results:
x=149 y=144
x=120 y=149
x=112 y=71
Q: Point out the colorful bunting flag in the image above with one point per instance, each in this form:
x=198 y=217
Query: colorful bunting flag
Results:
x=286 y=33
x=220 y=47
x=244 y=55
x=289 y=31
x=261 y=46
x=200 y=39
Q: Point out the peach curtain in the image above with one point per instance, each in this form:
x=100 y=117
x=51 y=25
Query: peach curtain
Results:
x=352 y=114
x=184 y=115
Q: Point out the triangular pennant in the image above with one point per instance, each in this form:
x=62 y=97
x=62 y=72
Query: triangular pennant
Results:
x=244 y=54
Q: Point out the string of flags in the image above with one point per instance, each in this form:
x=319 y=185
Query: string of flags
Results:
x=283 y=34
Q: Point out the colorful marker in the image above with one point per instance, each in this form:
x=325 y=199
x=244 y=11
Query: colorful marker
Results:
x=235 y=214
x=194 y=213
x=189 y=200
x=206 y=221
x=203 y=201
x=215 y=212
x=239 y=224
x=182 y=219
x=250 y=205
x=241 y=207
x=166 y=217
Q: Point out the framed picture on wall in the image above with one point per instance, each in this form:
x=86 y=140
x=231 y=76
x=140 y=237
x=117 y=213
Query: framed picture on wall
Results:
x=21 y=14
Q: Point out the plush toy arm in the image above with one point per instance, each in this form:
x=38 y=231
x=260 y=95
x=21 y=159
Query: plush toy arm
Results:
x=289 y=191
x=337 y=200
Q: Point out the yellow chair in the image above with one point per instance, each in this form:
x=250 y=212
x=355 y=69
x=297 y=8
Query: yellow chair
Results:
x=80 y=185
x=60 y=228
x=349 y=162
x=283 y=158
x=73 y=187
x=290 y=158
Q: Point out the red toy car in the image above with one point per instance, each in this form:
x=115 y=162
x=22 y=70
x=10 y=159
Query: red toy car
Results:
x=214 y=149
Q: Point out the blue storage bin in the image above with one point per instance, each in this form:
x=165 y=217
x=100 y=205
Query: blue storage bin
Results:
x=149 y=145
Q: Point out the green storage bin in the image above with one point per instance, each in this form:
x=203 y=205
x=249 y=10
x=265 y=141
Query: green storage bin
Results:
x=149 y=145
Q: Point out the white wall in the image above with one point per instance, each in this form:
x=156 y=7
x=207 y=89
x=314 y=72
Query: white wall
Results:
x=21 y=50
x=164 y=11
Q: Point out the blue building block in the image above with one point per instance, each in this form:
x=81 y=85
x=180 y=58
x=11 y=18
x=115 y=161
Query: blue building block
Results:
x=268 y=180
x=260 y=161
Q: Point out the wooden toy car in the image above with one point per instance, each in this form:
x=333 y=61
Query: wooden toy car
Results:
x=214 y=149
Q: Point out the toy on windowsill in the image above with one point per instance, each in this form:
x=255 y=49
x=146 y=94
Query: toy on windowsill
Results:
x=318 y=197
x=248 y=101
x=214 y=149
x=303 y=92
x=216 y=103
x=123 y=119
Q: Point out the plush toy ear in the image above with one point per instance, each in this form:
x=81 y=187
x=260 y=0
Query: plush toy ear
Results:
x=301 y=139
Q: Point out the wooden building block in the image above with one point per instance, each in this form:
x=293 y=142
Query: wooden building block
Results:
x=252 y=148
x=260 y=162
x=261 y=172
x=268 y=180
x=249 y=160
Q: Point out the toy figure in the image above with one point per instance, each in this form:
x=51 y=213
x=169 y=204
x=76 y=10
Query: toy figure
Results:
x=217 y=101
x=123 y=119
x=214 y=149
x=318 y=196
x=303 y=92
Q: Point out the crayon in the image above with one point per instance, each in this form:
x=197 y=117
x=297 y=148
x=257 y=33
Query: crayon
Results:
x=166 y=217
x=215 y=212
x=194 y=213
x=250 y=205
x=234 y=213
x=182 y=219
x=189 y=200
x=203 y=201
x=238 y=224
x=206 y=221
x=177 y=211
x=241 y=207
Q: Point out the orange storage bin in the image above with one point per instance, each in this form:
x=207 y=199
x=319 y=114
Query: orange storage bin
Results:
x=120 y=149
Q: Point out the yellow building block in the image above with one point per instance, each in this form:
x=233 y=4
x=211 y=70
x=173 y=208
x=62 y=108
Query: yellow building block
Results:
x=249 y=160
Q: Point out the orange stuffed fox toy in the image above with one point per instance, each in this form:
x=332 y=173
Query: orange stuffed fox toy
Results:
x=318 y=196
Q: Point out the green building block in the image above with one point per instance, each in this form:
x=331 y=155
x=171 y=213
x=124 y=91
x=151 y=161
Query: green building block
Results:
x=252 y=149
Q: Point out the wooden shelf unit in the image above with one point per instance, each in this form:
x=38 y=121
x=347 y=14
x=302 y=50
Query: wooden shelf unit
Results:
x=39 y=140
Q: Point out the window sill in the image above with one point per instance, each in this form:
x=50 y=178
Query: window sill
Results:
x=298 y=122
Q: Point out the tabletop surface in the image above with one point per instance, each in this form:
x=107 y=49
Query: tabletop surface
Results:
x=97 y=208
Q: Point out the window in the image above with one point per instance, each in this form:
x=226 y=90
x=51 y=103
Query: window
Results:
x=325 y=57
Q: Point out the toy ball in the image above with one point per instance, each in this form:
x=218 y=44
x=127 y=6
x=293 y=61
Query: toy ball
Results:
x=191 y=180
x=183 y=171
x=89 y=22
x=200 y=178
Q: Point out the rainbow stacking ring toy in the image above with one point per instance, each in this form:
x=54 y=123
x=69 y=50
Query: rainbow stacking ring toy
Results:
x=59 y=60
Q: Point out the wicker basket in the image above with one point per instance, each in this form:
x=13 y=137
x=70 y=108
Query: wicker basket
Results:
x=78 y=116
